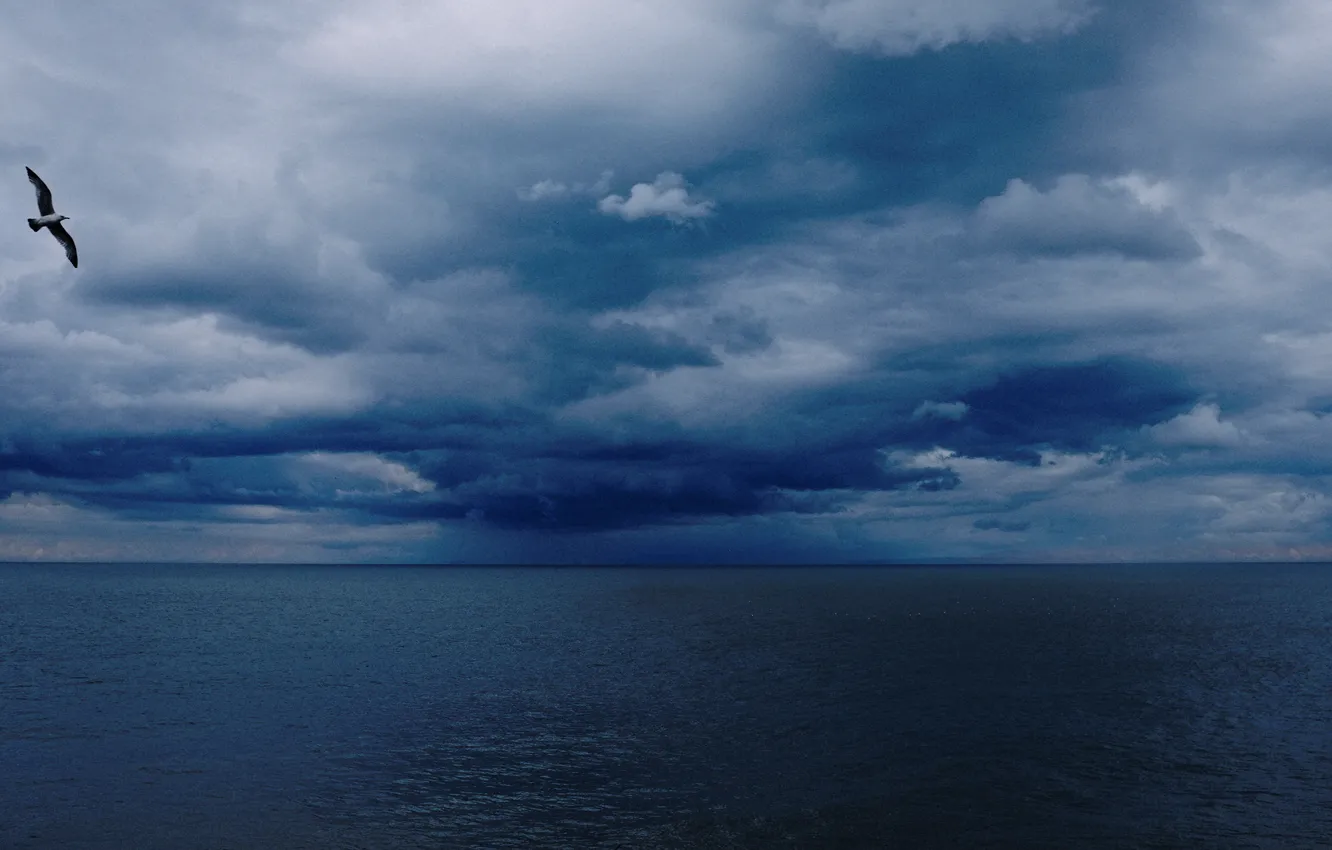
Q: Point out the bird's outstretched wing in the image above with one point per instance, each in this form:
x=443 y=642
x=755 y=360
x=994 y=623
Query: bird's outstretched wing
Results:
x=44 y=205
x=58 y=231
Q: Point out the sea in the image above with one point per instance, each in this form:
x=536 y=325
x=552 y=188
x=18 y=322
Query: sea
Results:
x=172 y=707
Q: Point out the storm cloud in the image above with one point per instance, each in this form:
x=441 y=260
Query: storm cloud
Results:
x=606 y=281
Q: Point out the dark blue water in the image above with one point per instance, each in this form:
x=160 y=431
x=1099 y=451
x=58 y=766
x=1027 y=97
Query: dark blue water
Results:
x=303 y=707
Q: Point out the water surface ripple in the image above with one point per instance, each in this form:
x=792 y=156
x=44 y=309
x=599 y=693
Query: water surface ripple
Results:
x=336 y=707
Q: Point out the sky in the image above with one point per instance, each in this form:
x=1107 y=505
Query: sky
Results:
x=668 y=281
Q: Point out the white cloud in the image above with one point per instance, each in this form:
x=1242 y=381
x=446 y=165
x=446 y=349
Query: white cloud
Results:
x=303 y=392
x=667 y=196
x=1201 y=427
x=1098 y=508
x=735 y=391
x=1262 y=508
x=571 y=52
x=902 y=27
x=544 y=190
x=317 y=387
x=143 y=375
x=387 y=476
x=1079 y=215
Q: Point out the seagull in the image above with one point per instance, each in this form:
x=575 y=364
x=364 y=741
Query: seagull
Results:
x=50 y=220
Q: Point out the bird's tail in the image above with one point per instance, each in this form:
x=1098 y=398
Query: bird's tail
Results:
x=32 y=222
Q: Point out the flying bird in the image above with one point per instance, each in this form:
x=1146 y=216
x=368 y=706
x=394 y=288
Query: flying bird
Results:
x=50 y=220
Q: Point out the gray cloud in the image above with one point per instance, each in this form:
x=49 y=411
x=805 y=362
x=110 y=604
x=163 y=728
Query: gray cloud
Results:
x=1024 y=279
x=1078 y=215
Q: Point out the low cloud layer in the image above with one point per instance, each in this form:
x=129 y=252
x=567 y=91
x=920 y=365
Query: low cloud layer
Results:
x=821 y=280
